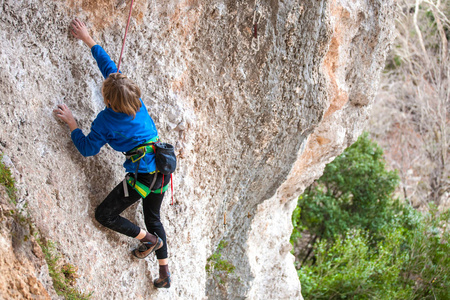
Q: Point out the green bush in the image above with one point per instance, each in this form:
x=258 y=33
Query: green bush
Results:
x=350 y=268
x=355 y=191
x=427 y=268
x=220 y=269
x=367 y=245
x=216 y=263
x=407 y=264
x=7 y=180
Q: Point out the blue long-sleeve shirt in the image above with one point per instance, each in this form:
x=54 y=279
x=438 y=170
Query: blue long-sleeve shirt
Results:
x=119 y=130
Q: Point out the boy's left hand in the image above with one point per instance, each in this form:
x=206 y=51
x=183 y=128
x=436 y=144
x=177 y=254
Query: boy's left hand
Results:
x=63 y=112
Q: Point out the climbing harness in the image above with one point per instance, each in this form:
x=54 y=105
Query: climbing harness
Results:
x=125 y=36
x=137 y=153
x=256 y=18
x=165 y=161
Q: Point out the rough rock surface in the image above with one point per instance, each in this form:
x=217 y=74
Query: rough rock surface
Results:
x=23 y=271
x=252 y=128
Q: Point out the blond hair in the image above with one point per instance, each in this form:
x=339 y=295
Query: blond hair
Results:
x=121 y=94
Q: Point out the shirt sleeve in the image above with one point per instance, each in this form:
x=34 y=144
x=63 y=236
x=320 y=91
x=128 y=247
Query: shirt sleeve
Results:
x=89 y=145
x=104 y=62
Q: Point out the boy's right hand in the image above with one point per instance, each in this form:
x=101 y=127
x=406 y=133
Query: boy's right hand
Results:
x=63 y=112
x=79 y=30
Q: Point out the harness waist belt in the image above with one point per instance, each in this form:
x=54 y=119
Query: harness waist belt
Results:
x=140 y=151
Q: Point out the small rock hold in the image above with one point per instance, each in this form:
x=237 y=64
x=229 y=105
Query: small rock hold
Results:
x=7 y=161
x=181 y=126
x=121 y=4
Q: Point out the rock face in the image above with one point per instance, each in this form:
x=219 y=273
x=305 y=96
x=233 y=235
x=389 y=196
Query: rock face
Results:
x=253 y=126
x=23 y=270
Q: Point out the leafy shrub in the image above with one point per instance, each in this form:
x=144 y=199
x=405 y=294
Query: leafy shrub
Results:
x=355 y=191
x=427 y=268
x=63 y=275
x=218 y=267
x=350 y=268
x=7 y=180
x=367 y=245
x=407 y=264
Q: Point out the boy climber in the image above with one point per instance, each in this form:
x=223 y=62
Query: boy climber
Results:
x=124 y=124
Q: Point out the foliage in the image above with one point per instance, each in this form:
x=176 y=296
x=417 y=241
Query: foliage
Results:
x=297 y=224
x=354 y=192
x=407 y=264
x=217 y=266
x=367 y=245
x=215 y=261
x=350 y=269
x=428 y=264
x=64 y=276
x=7 y=180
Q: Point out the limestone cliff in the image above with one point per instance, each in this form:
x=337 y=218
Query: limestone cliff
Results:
x=253 y=126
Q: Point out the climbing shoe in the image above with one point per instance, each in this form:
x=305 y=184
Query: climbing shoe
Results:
x=146 y=248
x=163 y=283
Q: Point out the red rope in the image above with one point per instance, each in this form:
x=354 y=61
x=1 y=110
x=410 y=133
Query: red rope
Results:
x=171 y=185
x=126 y=30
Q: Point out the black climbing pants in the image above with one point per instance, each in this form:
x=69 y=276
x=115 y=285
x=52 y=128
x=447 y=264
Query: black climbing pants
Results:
x=108 y=212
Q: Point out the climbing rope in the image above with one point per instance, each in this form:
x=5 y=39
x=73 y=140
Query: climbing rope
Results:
x=126 y=30
x=171 y=187
x=256 y=18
